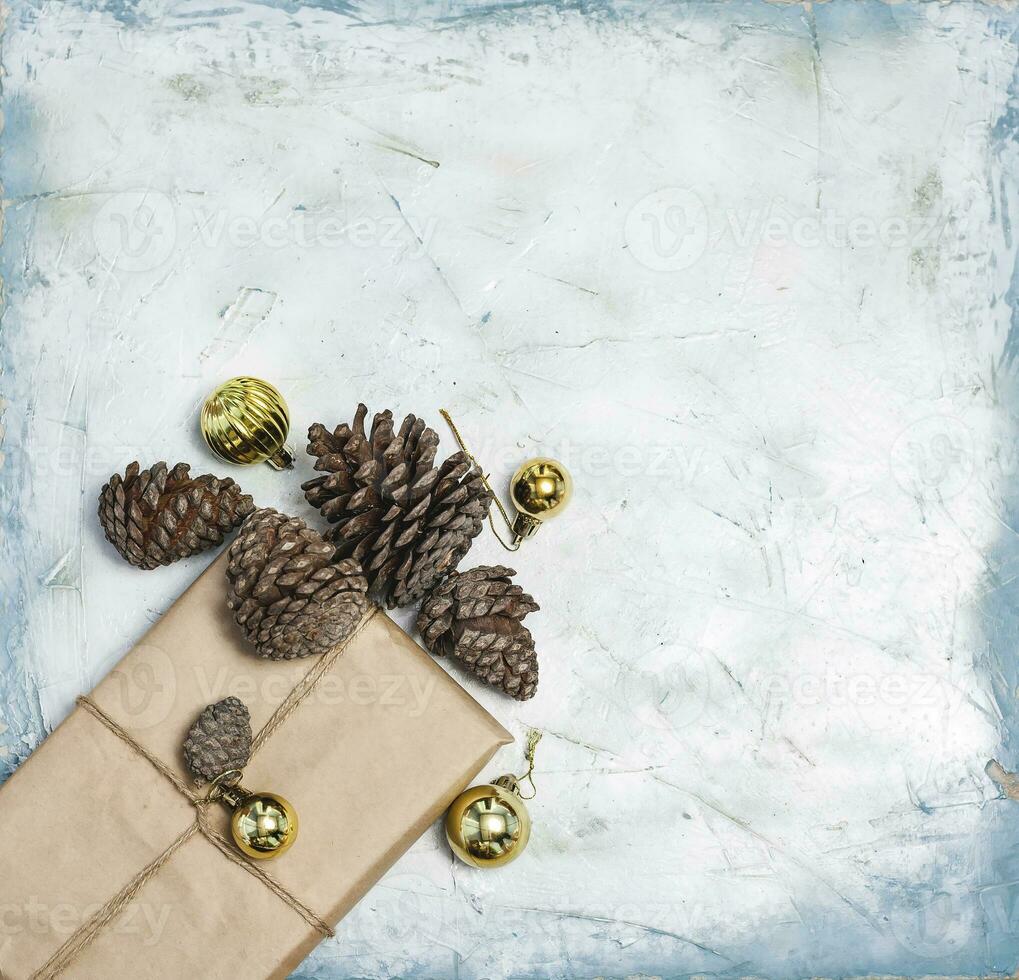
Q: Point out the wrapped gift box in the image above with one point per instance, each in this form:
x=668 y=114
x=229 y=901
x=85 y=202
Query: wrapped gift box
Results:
x=375 y=750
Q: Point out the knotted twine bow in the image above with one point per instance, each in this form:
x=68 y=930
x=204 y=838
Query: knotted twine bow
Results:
x=86 y=934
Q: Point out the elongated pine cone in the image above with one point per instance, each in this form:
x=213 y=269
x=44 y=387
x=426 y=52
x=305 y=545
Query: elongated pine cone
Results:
x=406 y=520
x=287 y=593
x=477 y=617
x=220 y=740
x=154 y=517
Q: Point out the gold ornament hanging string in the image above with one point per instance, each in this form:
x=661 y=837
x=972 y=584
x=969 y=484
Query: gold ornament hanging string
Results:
x=533 y=738
x=515 y=545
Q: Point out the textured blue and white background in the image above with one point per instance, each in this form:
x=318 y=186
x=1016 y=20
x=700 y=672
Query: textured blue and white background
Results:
x=747 y=268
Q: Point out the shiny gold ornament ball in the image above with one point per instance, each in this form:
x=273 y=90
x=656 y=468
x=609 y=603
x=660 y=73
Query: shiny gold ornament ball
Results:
x=488 y=826
x=540 y=490
x=264 y=825
x=246 y=421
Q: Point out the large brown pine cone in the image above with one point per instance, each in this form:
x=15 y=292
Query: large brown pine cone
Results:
x=287 y=592
x=154 y=517
x=220 y=740
x=477 y=617
x=406 y=520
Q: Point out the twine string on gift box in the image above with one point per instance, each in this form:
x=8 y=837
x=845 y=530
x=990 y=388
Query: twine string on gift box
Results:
x=86 y=934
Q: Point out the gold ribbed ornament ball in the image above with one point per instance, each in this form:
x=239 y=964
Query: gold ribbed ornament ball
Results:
x=264 y=825
x=540 y=490
x=489 y=826
x=246 y=421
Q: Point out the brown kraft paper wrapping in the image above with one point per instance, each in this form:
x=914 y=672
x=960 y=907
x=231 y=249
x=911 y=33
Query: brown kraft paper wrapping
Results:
x=370 y=759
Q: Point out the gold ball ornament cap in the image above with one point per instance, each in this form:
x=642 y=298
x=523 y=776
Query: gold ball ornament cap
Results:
x=264 y=825
x=246 y=421
x=540 y=489
x=488 y=826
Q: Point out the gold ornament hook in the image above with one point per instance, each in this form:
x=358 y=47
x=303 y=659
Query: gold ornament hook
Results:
x=227 y=787
x=533 y=738
x=539 y=490
x=513 y=783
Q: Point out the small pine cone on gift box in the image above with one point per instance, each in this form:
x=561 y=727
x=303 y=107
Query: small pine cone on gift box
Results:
x=155 y=516
x=408 y=522
x=289 y=595
x=477 y=617
x=219 y=741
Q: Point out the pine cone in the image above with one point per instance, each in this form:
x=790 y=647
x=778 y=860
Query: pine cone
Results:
x=220 y=740
x=287 y=593
x=154 y=517
x=407 y=521
x=477 y=617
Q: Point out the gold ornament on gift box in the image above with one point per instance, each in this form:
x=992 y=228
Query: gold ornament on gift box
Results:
x=246 y=421
x=540 y=489
x=217 y=748
x=488 y=826
x=263 y=825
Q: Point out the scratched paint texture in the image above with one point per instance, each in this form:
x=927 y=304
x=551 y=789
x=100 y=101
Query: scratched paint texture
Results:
x=749 y=269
